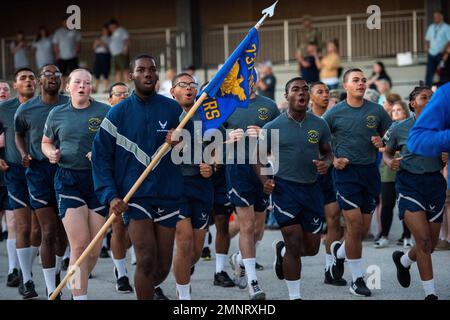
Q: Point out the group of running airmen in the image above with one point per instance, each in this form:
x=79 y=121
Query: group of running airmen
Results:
x=70 y=160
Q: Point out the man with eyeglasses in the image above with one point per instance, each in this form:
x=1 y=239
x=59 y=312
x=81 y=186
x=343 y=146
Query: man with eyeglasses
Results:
x=118 y=92
x=29 y=121
x=27 y=240
x=197 y=200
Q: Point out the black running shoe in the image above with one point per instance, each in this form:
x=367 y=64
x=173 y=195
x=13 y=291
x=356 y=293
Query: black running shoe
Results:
x=337 y=267
x=206 y=254
x=222 y=279
x=329 y=280
x=258 y=266
x=359 y=288
x=403 y=275
x=57 y=279
x=159 y=294
x=21 y=287
x=104 y=253
x=58 y=297
x=277 y=246
x=29 y=291
x=65 y=264
x=13 y=279
x=431 y=297
x=123 y=285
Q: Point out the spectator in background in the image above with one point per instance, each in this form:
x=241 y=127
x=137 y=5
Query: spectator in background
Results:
x=371 y=95
x=267 y=83
x=119 y=48
x=335 y=98
x=308 y=64
x=330 y=65
x=102 y=63
x=67 y=47
x=43 y=48
x=166 y=85
x=18 y=49
x=378 y=73
x=383 y=89
x=445 y=66
x=391 y=99
x=437 y=36
x=398 y=112
x=308 y=35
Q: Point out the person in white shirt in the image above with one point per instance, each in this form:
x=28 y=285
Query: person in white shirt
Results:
x=437 y=37
x=119 y=46
x=43 y=48
x=102 y=64
x=18 y=49
x=67 y=47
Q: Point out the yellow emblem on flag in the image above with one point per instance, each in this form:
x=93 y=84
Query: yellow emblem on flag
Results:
x=231 y=84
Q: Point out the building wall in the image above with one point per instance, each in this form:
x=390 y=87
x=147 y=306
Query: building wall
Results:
x=232 y=11
x=133 y=14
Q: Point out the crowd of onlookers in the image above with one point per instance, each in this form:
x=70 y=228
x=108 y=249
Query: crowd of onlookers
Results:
x=63 y=47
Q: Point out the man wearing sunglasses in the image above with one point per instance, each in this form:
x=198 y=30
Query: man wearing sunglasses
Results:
x=29 y=122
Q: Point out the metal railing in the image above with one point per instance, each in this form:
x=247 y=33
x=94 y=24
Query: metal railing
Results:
x=401 y=31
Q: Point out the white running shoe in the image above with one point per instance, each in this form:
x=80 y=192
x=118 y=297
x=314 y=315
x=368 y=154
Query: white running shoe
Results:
x=255 y=291
x=381 y=243
x=240 y=279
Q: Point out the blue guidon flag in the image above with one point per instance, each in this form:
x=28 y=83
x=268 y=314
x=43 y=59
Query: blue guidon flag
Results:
x=230 y=87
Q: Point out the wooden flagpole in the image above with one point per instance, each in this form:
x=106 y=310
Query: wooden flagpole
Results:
x=268 y=12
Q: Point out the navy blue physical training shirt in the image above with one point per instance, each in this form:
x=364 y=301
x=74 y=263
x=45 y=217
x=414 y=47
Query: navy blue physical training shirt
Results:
x=7 y=110
x=352 y=130
x=74 y=130
x=30 y=120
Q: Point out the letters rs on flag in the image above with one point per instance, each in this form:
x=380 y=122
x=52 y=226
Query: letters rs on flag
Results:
x=230 y=87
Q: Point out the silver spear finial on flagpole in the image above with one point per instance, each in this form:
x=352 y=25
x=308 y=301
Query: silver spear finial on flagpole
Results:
x=267 y=12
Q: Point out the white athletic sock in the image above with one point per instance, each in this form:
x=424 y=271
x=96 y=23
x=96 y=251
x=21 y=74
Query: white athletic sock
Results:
x=250 y=269
x=220 y=262
x=341 y=251
x=34 y=252
x=184 y=291
x=121 y=267
x=205 y=241
x=293 y=289
x=133 y=255
x=355 y=268
x=12 y=254
x=67 y=253
x=428 y=286
x=283 y=251
x=58 y=263
x=239 y=259
x=83 y=297
x=23 y=254
x=328 y=261
x=405 y=260
x=49 y=276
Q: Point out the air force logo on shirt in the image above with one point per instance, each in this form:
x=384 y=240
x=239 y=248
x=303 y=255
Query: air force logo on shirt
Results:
x=163 y=126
